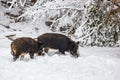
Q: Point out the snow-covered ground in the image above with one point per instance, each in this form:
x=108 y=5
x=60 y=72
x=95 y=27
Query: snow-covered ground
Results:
x=94 y=63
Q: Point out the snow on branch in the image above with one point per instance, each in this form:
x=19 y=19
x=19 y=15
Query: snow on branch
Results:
x=16 y=3
x=12 y=3
x=58 y=10
x=39 y=7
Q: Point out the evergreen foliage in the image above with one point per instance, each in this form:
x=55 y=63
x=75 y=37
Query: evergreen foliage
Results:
x=97 y=30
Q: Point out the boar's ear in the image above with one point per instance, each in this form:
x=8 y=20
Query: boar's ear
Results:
x=77 y=42
x=40 y=43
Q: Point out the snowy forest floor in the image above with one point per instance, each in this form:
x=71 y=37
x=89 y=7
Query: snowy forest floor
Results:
x=95 y=63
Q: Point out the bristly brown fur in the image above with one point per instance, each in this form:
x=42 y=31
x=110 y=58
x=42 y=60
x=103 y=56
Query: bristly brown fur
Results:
x=60 y=42
x=24 y=45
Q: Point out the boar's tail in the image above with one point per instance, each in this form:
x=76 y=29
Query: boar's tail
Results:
x=10 y=37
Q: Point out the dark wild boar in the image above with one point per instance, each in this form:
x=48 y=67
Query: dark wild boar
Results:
x=24 y=45
x=60 y=42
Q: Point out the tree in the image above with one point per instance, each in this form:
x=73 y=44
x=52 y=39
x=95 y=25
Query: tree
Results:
x=93 y=23
x=100 y=26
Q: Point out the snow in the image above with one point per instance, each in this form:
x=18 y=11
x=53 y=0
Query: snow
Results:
x=94 y=63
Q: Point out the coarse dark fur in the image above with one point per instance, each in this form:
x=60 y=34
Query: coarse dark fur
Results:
x=24 y=45
x=60 y=42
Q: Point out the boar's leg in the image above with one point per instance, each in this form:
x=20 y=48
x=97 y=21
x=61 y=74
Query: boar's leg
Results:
x=15 y=57
x=22 y=56
x=31 y=54
x=40 y=53
x=61 y=51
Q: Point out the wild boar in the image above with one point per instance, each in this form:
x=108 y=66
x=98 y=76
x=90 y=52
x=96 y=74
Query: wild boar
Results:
x=60 y=42
x=24 y=45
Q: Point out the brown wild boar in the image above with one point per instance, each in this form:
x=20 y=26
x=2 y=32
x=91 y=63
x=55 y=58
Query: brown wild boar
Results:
x=60 y=42
x=24 y=45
